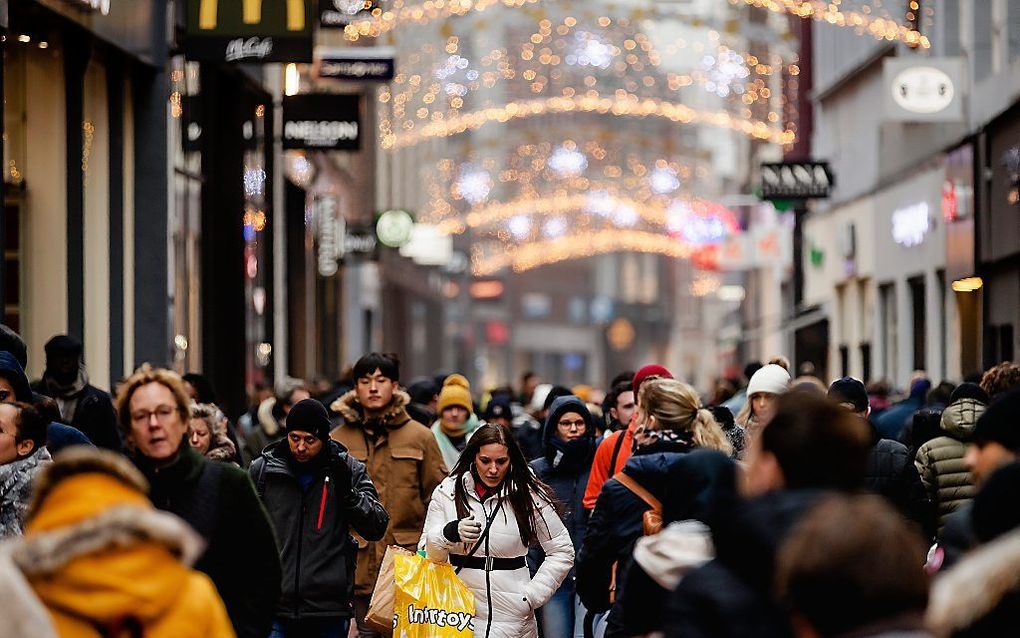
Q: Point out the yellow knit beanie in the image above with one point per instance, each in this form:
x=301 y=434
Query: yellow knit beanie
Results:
x=456 y=391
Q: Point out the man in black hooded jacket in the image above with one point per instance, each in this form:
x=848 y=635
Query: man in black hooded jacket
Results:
x=315 y=494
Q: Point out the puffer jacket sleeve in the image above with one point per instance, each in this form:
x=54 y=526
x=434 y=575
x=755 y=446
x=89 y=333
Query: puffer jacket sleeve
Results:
x=559 y=557
x=925 y=465
x=441 y=511
x=367 y=515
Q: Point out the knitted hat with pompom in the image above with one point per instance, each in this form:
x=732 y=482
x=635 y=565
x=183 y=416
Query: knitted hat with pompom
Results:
x=456 y=391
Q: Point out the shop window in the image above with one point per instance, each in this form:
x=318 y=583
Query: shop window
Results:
x=982 y=39
x=917 y=316
x=1013 y=29
x=998 y=344
x=866 y=362
x=887 y=300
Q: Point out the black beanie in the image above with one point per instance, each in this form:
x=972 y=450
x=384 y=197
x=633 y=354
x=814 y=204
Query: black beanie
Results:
x=1001 y=422
x=311 y=416
x=969 y=391
x=63 y=345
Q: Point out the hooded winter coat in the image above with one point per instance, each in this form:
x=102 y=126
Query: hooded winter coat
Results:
x=890 y=472
x=732 y=595
x=565 y=466
x=267 y=430
x=940 y=460
x=98 y=560
x=616 y=522
x=700 y=484
x=241 y=557
x=16 y=479
x=404 y=463
x=313 y=526
x=513 y=594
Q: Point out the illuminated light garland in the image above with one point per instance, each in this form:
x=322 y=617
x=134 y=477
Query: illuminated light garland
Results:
x=400 y=14
x=632 y=105
x=544 y=253
x=880 y=28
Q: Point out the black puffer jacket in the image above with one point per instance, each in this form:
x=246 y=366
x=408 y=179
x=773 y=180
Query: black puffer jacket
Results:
x=891 y=473
x=732 y=595
x=313 y=526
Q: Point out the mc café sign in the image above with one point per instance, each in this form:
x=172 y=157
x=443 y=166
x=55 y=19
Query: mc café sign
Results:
x=322 y=122
x=249 y=31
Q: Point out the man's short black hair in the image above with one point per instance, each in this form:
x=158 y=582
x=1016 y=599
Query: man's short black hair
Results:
x=624 y=377
x=12 y=342
x=751 y=368
x=387 y=364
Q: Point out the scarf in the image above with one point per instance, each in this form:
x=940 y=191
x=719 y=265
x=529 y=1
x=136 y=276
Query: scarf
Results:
x=664 y=441
x=16 y=480
x=67 y=396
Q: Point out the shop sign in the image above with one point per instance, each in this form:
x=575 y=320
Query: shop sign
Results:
x=322 y=121
x=329 y=229
x=928 y=91
x=249 y=31
x=910 y=224
x=337 y=14
x=394 y=228
x=357 y=64
x=950 y=202
x=796 y=180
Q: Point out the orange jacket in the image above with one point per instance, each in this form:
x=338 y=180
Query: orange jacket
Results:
x=600 y=470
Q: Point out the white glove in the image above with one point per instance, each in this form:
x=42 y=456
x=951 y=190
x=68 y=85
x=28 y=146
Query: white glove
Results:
x=469 y=530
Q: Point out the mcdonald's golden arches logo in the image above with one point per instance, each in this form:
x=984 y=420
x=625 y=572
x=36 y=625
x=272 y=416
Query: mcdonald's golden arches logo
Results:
x=251 y=13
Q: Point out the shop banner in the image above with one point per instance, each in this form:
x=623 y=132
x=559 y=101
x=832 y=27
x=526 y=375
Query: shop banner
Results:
x=796 y=180
x=359 y=64
x=337 y=14
x=322 y=122
x=249 y=31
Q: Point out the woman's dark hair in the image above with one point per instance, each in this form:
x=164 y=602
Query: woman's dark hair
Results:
x=32 y=425
x=387 y=364
x=523 y=488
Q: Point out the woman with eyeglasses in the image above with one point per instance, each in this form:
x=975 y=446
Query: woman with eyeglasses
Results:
x=22 y=454
x=671 y=423
x=569 y=449
x=218 y=500
x=482 y=519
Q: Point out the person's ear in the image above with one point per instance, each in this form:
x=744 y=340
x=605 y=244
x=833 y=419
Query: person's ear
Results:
x=25 y=448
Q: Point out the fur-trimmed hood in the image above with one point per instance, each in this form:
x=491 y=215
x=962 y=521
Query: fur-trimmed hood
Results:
x=352 y=413
x=91 y=539
x=977 y=584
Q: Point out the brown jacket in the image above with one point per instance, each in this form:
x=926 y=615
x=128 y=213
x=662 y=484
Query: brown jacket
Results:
x=405 y=465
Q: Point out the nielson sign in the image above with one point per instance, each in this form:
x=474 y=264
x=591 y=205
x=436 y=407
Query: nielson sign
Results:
x=250 y=31
x=322 y=121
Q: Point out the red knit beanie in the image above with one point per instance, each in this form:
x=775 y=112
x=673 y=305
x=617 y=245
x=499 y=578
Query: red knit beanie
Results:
x=653 y=370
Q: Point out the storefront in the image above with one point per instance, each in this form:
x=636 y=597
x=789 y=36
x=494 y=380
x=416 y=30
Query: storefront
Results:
x=999 y=239
x=912 y=316
x=85 y=129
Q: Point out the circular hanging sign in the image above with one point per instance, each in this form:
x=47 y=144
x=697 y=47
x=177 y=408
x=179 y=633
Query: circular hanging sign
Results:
x=923 y=89
x=394 y=228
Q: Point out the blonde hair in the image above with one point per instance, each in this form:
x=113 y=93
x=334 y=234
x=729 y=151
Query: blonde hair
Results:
x=145 y=375
x=677 y=407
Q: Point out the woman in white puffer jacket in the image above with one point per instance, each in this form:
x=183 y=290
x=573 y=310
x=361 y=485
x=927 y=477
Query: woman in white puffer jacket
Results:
x=494 y=501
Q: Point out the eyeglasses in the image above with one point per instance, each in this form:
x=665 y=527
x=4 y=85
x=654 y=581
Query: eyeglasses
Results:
x=570 y=425
x=163 y=414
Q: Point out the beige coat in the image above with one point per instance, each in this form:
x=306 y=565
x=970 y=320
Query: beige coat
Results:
x=405 y=465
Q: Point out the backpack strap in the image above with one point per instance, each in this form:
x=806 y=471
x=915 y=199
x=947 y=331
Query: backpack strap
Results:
x=639 y=490
x=616 y=452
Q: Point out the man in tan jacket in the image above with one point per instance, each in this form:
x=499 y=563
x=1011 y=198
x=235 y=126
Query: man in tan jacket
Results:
x=403 y=461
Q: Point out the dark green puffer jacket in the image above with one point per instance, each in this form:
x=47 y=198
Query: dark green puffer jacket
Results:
x=940 y=461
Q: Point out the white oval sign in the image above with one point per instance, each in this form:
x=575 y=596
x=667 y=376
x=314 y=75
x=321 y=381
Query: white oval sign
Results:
x=923 y=89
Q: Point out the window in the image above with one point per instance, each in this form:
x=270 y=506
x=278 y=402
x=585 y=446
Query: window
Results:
x=917 y=316
x=949 y=16
x=1013 y=29
x=866 y=362
x=887 y=300
x=982 y=39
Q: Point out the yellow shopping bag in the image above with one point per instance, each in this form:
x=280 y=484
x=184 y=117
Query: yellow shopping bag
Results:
x=431 y=601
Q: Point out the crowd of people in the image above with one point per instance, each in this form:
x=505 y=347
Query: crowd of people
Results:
x=776 y=505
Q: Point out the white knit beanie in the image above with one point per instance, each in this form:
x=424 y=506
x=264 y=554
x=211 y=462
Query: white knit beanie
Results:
x=771 y=378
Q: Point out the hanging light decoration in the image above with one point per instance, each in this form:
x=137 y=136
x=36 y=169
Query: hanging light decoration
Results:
x=664 y=180
x=567 y=161
x=474 y=185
